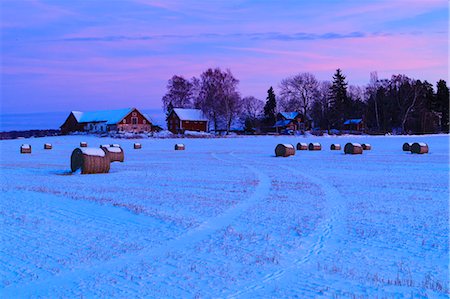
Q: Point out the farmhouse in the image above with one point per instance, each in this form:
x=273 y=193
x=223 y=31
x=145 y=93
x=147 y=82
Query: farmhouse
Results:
x=122 y=120
x=180 y=120
x=355 y=124
x=292 y=121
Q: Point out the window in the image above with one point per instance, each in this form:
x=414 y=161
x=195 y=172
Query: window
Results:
x=124 y=121
x=134 y=114
x=144 y=121
x=134 y=120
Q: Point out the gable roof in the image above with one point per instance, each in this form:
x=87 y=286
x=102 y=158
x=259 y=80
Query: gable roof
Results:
x=190 y=114
x=353 y=121
x=109 y=116
x=289 y=115
x=283 y=123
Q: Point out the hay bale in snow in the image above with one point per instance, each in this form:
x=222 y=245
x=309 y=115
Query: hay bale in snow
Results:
x=284 y=150
x=179 y=147
x=419 y=148
x=314 y=146
x=25 y=149
x=115 y=153
x=366 y=146
x=407 y=146
x=83 y=144
x=137 y=146
x=302 y=146
x=47 y=146
x=90 y=160
x=335 y=147
x=353 y=148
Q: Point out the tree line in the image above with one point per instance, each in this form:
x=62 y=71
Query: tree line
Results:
x=400 y=104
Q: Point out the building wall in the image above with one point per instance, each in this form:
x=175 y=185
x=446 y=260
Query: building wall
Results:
x=71 y=125
x=173 y=124
x=134 y=122
x=194 y=125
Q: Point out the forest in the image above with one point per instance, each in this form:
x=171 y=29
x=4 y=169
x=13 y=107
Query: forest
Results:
x=397 y=105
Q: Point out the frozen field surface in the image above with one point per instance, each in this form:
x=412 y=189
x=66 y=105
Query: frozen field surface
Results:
x=225 y=218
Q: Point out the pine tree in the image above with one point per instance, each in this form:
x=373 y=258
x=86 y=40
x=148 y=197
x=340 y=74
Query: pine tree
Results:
x=169 y=110
x=442 y=98
x=340 y=106
x=269 y=108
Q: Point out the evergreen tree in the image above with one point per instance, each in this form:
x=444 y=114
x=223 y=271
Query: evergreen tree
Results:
x=270 y=108
x=169 y=110
x=442 y=100
x=340 y=106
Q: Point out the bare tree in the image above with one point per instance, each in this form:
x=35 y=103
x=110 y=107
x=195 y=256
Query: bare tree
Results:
x=298 y=92
x=252 y=109
x=179 y=93
x=218 y=97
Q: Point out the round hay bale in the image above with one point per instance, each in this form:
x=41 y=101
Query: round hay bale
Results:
x=47 y=146
x=284 y=150
x=314 y=146
x=114 y=153
x=83 y=144
x=137 y=146
x=90 y=160
x=25 y=149
x=179 y=147
x=419 y=148
x=335 y=147
x=407 y=147
x=353 y=148
x=366 y=146
x=302 y=146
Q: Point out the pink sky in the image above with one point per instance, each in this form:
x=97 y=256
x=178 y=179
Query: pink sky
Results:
x=62 y=55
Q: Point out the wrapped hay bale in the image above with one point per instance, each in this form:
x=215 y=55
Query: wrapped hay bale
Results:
x=353 y=148
x=335 y=147
x=314 y=146
x=114 y=153
x=302 y=146
x=366 y=146
x=419 y=148
x=83 y=144
x=90 y=160
x=407 y=147
x=25 y=149
x=179 y=147
x=47 y=146
x=284 y=150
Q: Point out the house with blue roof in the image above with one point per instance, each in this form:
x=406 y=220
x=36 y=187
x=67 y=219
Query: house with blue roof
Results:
x=292 y=121
x=120 y=120
x=354 y=124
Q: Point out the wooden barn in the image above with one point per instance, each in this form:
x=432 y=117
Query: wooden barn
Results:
x=181 y=120
x=292 y=121
x=121 y=120
x=355 y=124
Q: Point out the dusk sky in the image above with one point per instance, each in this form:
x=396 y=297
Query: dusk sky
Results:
x=88 y=55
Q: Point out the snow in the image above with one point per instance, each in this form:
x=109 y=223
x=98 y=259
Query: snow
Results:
x=26 y=146
x=226 y=219
x=91 y=151
x=288 y=145
x=190 y=114
x=114 y=149
x=422 y=144
x=110 y=117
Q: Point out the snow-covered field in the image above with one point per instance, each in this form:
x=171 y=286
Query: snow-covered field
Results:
x=225 y=218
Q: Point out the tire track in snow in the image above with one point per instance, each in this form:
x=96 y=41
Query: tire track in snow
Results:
x=114 y=266
x=331 y=227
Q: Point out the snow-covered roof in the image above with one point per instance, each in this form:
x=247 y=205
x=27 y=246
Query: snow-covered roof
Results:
x=110 y=117
x=354 y=121
x=283 y=123
x=289 y=115
x=77 y=115
x=190 y=114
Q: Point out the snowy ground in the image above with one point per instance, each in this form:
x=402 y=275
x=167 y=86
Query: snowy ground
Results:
x=225 y=218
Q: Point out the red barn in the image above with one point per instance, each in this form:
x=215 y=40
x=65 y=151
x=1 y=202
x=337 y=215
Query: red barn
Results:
x=181 y=120
x=122 y=120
